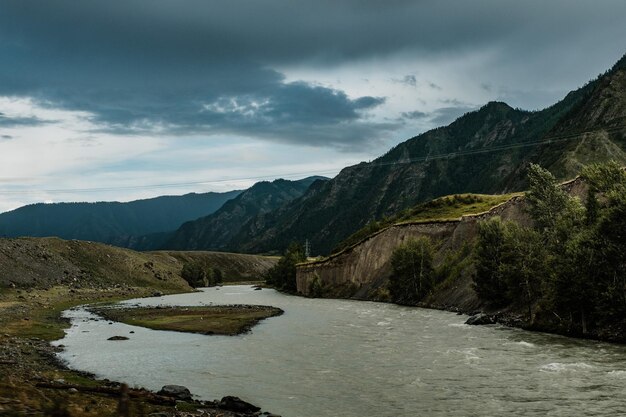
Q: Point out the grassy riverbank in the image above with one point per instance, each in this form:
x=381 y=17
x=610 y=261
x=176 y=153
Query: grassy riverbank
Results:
x=219 y=320
x=32 y=382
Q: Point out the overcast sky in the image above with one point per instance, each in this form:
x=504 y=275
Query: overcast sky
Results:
x=118 y=100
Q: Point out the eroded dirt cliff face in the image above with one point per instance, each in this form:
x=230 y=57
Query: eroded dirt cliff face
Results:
x=362 y=271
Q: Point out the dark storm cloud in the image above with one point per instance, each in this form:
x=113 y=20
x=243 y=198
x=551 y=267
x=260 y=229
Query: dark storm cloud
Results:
x=409 y=80
x=170 y=63
x=441 y=116
x=434 y=86
x=446 y=115
x=7 y=121
x=414 y=115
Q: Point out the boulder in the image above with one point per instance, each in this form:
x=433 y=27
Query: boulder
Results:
x=117 y=338
x=480 y=319
x=237 y=405
x=176 y=391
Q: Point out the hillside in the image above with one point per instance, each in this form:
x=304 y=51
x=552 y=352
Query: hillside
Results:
x=110 y=222
x=362 y=269
x=42 y=277
x=214 y=232
x=47 y=262
x=485 y=151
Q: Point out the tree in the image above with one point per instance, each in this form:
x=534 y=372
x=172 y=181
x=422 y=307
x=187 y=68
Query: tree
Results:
x=510 y=263
x=218 y=276
x=573 y=259
x=553 y=211
x=283 y=275
x=194 y=274
x=525 y=264
x=592 y=208
x=610 y=241
x=604 y=177
x=490 y=282
x=413 y=272
x=572 y=289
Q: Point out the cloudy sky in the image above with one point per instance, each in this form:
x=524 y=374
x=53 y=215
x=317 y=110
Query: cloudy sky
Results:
x=118 y=100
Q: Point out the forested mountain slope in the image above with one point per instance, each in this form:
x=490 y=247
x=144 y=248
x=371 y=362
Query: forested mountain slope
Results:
x=485 y=151
x=214 y=232
x=110 y=222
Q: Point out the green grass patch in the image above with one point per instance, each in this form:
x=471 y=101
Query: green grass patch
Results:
x=220 y=320
x=451 y=207
x=38 y=313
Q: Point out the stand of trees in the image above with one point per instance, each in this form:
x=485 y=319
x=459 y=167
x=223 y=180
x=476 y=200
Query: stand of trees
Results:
x=198 y=275
x=413 y=272
x=567 y=271
x=282 y=276
x=571 y=264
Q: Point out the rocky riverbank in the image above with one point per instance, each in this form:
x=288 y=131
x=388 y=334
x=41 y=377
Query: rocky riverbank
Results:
x=33 y=382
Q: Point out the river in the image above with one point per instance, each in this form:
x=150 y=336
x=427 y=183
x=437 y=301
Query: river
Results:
x=354 y=358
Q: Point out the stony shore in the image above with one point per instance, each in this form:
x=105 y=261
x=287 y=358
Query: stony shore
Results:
x=33 y=382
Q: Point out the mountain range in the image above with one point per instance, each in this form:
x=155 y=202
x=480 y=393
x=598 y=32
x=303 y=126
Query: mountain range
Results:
x=110 y=222
x=485 y=151
x=217 y=230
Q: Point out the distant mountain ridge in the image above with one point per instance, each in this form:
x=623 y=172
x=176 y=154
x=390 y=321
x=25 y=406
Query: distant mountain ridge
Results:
x=110 y=222
x=485 y=151
x=215 y=231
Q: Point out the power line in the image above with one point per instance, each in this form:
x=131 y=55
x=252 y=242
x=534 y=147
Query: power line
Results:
x=544 y=141
x=166 y=185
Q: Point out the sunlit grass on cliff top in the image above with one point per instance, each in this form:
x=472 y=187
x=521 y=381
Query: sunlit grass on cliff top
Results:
x=447 y=208
x=452 y=207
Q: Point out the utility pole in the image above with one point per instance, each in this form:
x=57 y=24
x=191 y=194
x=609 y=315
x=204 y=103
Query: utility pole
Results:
x=307 y=249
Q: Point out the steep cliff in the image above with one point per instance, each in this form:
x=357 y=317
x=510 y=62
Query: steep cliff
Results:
x=362 y=270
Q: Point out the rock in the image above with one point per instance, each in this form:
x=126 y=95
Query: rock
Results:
x=158 y=415
x=157 y=294
x=480 y=319
x=72 y=390
x=117 y=338
x=132 y=332
x=237 y=405
x=257 y=288
x=176 y=391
